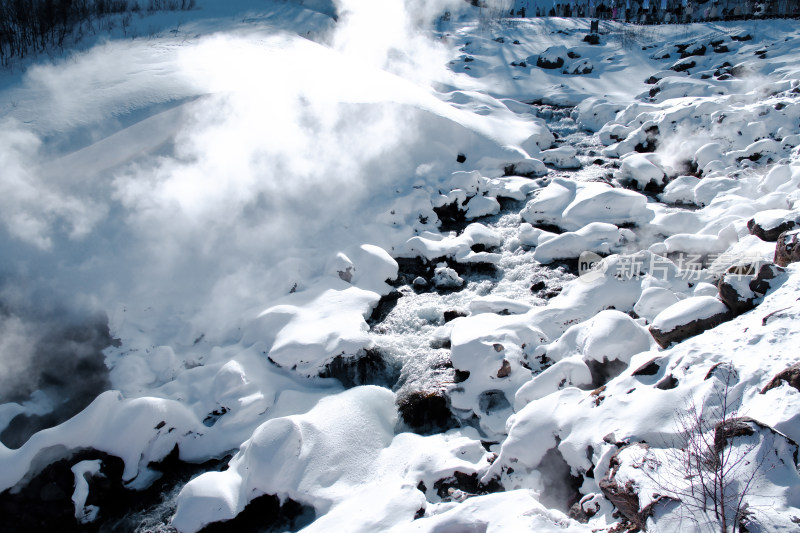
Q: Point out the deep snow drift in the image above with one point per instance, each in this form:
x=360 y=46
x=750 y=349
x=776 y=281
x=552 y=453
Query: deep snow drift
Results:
x=402 y=273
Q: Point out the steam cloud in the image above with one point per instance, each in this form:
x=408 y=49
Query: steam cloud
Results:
x=184 y=187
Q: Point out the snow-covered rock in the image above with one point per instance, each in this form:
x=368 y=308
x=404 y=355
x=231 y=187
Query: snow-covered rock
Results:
x=687 y=318
x=597 y=237
x=552 y=58
x=571 y=205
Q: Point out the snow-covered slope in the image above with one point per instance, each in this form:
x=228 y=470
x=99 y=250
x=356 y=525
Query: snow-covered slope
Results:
x=402 y=273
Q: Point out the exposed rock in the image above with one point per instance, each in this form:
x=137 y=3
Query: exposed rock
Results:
x=650 y=368
x=426 y=411
x=452 y=314
x=669 y=382
x=741 y=286
x=787 y=250
x=267 y=513
x=366 y=368
x=460 y=486
x=527 y=168
x=693 y=50
x=582 y=67
x=605 y=371
x=683 y=65
x=592 y=38
x=505 y=369
x=492 y=401
x=385 y=306
x=446 y=278
x=726 y=430
x=45 y=503
x=791 y=376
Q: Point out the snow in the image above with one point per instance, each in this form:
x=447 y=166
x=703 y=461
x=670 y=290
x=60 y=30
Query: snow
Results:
x=242 y=194
x=84 y=513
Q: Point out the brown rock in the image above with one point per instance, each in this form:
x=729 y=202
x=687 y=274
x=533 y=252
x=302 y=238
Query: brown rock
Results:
x=685 y=331
x=623 y=495
x=791 y=376
x=770 y=234
x=505 y=370
x=787 y=249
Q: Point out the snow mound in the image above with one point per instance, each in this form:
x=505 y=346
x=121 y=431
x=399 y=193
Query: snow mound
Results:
x=432 y=246
x=572 y=205
x=597 y=237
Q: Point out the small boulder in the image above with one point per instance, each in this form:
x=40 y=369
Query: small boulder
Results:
x=787 y=250
x=683 y=65
x=527 y=168
x=563 y=157
x=581 y=67
x=743 y=285
x=552 y=58
x=446 y=278
x=696 y=49
x=426 y=411
x=768 y=225
x=688 y=318
x=734 y=289
x=592 y=38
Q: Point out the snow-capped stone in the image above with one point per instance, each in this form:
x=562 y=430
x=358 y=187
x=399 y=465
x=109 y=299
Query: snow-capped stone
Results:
x=579 y=67
x=561 y=157
x=572 y=205
x=597 y=237
x=688 y=318
x=594 y=113
x=768 y=225
x=788 y=249
x=680 y=190
x=552 y=58
x=641 y=170
x=528 y=168
x=432 y=246
x=481 y=206
x=445 y=277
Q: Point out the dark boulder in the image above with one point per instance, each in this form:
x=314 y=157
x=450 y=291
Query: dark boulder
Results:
x=592 y=38
x=743 y=285
x=770 y=231
x=683 y=65
x=426 y=412
x=552 y=58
